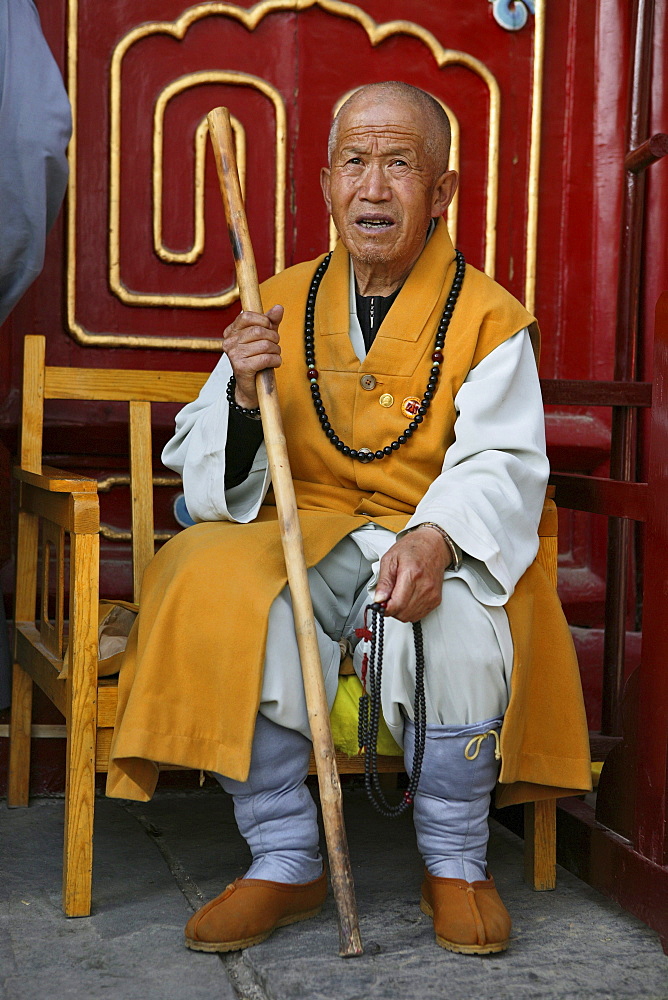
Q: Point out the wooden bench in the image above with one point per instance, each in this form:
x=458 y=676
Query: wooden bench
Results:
x=55 y=504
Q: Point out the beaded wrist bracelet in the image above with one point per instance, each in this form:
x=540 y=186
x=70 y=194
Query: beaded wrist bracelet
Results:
x=454 y=551
x=250 y=414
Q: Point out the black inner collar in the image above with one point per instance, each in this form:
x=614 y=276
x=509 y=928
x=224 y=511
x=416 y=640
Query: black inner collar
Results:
x=371 y=311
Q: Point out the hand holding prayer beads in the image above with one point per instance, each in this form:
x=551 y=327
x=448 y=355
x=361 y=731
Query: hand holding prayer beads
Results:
x=410 y=579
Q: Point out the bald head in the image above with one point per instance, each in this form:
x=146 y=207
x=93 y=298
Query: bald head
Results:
x=433 y=122
x=388 y=177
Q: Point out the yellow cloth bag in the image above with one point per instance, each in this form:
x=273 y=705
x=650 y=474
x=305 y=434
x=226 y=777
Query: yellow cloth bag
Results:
x=344 y=716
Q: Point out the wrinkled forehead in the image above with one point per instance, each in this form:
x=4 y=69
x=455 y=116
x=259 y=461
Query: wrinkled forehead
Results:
x=386 y=124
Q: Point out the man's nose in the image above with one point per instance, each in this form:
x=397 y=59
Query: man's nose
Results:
x=374 y=185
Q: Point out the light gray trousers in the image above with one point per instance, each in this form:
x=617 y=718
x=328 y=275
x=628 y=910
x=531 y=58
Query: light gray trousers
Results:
x=468 y=651
x=468 y=656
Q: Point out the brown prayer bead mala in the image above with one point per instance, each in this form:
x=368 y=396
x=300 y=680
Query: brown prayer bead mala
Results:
x=365 y=454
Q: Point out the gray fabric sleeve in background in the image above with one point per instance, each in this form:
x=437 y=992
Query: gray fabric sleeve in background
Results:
x=35 y=127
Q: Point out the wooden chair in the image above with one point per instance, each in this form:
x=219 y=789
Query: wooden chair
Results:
x=54 y=504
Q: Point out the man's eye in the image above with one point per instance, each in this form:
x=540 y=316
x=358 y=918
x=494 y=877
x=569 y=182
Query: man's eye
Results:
x=356 y=160
x=399 y=163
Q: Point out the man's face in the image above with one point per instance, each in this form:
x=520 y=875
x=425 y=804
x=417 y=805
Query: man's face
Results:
x=383 y=187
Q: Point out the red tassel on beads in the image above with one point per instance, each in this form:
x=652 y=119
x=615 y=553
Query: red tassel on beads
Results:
x=365 y=667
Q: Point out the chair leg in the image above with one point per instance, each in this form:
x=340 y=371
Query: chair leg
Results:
x=19 y=738
x=81 y=728
x=78 y=843
x=540 y=844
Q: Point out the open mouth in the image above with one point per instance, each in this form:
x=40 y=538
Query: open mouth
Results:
x=373 y=222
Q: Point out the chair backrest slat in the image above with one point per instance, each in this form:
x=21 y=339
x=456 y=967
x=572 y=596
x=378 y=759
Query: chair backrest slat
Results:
x=32 y=405
x=119 y=384
x=141 y=474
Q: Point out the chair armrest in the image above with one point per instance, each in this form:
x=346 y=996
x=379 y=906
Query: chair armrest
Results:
x=76 y=511
x=57 y=480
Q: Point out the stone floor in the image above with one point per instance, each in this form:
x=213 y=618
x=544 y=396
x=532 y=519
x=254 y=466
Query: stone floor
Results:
x=154 y=862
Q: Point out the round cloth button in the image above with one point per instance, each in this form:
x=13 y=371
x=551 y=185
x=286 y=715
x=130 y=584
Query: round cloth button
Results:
x=386 y=399
x=368 y=382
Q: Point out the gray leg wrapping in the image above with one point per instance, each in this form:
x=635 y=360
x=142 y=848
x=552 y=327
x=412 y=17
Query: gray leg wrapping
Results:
x=452 y=800
x=274 y=810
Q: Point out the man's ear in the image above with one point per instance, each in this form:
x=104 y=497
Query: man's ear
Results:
x=325 y=185
x=444 y=192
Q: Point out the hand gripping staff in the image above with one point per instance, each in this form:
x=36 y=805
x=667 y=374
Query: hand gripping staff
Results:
x=350 y=942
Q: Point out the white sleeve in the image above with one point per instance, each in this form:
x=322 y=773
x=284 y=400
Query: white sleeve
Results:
x=197 y=453
x=489 y=495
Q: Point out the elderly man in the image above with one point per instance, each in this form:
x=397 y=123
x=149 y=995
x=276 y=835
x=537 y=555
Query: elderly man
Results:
x=412 y=409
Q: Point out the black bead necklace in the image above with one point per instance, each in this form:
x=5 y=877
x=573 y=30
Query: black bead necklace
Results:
x=365 y=454
x=370 y=708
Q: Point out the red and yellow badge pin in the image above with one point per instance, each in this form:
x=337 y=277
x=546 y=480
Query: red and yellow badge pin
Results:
x=410 y=406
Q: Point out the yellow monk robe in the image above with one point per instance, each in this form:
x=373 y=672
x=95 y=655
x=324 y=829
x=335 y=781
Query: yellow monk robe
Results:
x=191 y=681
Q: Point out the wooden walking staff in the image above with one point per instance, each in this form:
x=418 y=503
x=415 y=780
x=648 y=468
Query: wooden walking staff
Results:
x=350 y=942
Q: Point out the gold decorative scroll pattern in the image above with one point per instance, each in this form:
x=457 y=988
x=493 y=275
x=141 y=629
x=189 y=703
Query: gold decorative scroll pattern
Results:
x=114 y=534
x=201 y=133
x=172 y=90
x=453 y=164
x=377 y=33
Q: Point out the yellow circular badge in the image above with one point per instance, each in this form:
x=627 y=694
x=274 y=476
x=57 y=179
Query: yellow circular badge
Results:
x=386 y=399
x=410 y=406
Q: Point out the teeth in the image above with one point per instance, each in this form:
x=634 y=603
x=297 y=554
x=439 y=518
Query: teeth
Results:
x=375 y=223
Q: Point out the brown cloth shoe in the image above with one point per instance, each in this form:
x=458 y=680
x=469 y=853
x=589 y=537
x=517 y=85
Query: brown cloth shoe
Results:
x=250 y=909
x=469 y=917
